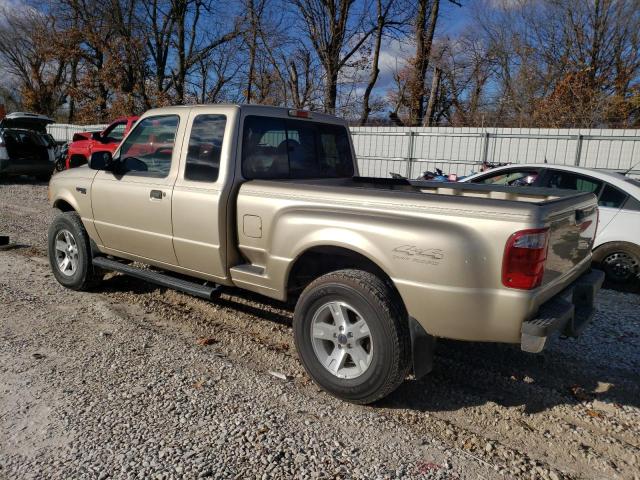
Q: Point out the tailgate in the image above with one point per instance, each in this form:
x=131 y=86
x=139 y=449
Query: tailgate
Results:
x=571 y=235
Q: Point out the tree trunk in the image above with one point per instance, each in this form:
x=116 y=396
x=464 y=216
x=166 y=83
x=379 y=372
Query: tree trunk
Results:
x=375 y=71
x=74 y=85
x=330 y=89
x=294 y=84
x=424 y=39
x=433 y=97
x=252 y=49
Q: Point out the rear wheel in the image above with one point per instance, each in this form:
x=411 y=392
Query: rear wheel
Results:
x=620 y=262
x=70 y=253
x=352 y=335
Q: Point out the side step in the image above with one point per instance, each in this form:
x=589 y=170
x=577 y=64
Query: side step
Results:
x=163 y=279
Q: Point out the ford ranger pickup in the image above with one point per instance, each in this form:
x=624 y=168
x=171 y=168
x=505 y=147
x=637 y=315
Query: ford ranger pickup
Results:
x=269 y=200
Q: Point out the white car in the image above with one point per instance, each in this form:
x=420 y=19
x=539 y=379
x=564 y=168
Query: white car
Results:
x=617 y=245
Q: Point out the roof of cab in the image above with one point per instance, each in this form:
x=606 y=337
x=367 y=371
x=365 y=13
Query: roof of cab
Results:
x=255 y=109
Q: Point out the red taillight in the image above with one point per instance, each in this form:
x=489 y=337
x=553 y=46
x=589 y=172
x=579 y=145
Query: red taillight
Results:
x=524 y=257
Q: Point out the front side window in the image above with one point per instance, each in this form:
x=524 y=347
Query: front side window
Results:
x=274 y=148
x=116 y=132
x=205 y=147
x=512 y=178
x=148 y=149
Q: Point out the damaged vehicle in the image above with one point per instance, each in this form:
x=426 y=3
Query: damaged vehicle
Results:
x=269 y=200
x=25 y=146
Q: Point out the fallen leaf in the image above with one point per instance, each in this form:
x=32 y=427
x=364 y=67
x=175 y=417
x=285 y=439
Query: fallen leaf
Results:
x=198 y=385
x=593 y=413
x=206 y=341
x=279 y=375
x=426 y=467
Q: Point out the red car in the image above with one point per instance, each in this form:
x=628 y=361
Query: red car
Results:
x=85 y=143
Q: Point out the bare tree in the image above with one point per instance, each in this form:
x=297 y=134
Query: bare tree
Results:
x=385 y=18
x=29 y=57
x=335 y=35
x=427 y=14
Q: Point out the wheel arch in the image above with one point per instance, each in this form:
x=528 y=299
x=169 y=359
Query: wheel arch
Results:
x=598 y=251
x=63 y=205
x=318 y=260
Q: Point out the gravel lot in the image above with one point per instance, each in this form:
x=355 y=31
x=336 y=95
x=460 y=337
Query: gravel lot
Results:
x=116 y=384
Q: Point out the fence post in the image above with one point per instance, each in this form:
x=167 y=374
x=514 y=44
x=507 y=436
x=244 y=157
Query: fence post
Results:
x=485 y=147
x=576 y=162
x=410 y=155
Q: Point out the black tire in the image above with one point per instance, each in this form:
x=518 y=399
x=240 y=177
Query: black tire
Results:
x=85 y=276
x=387 y=323
x=620 y=261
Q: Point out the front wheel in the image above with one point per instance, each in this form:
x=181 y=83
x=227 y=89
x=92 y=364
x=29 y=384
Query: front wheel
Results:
x=352 y=335
x=70 y=253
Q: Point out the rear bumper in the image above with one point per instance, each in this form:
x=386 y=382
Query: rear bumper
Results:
x=568 y=312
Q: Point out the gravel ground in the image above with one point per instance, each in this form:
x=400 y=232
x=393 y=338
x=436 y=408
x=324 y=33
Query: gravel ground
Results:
x=116 y=384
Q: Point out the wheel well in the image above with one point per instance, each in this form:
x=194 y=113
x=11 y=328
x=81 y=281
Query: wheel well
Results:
x=601 y=250
x=63 y=206
x=318 y=261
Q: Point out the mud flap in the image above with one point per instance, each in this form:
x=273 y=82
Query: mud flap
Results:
x=422 y=349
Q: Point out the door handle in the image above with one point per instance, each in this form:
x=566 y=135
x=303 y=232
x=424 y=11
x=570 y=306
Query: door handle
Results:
x=156 y=195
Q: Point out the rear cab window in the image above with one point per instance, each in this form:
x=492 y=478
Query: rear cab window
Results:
x=277 y=148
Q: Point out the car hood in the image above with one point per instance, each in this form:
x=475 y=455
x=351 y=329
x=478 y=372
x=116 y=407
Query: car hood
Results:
x=26 y=121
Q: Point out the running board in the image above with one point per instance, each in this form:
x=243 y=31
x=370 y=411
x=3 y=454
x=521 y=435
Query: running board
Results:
x=163 y=279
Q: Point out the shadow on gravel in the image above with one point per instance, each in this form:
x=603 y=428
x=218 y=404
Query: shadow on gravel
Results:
x=230 y=298
x=21 y=180
x=472 y=374
x=466 y=374
x=627 y=288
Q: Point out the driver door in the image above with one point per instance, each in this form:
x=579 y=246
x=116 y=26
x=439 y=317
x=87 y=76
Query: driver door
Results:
x=132 y=205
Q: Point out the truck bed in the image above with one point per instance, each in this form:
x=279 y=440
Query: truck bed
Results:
x=465 y=197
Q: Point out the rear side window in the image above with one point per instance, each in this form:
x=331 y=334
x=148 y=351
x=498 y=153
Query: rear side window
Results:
x=612 y=197
x=205 y=147
x=572 y=181
x=274 y=148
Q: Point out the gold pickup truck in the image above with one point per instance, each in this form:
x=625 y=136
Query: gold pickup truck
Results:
x=269 y=200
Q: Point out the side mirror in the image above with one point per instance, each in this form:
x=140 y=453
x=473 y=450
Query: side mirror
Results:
x=101 y=161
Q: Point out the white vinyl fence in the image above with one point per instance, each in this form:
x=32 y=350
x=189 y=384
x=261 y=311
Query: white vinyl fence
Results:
x=410 y=151
x=63 y=133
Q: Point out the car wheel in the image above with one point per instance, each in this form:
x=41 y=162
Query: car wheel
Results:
x=352 y=335
x=70 y=253
x=620 y=262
